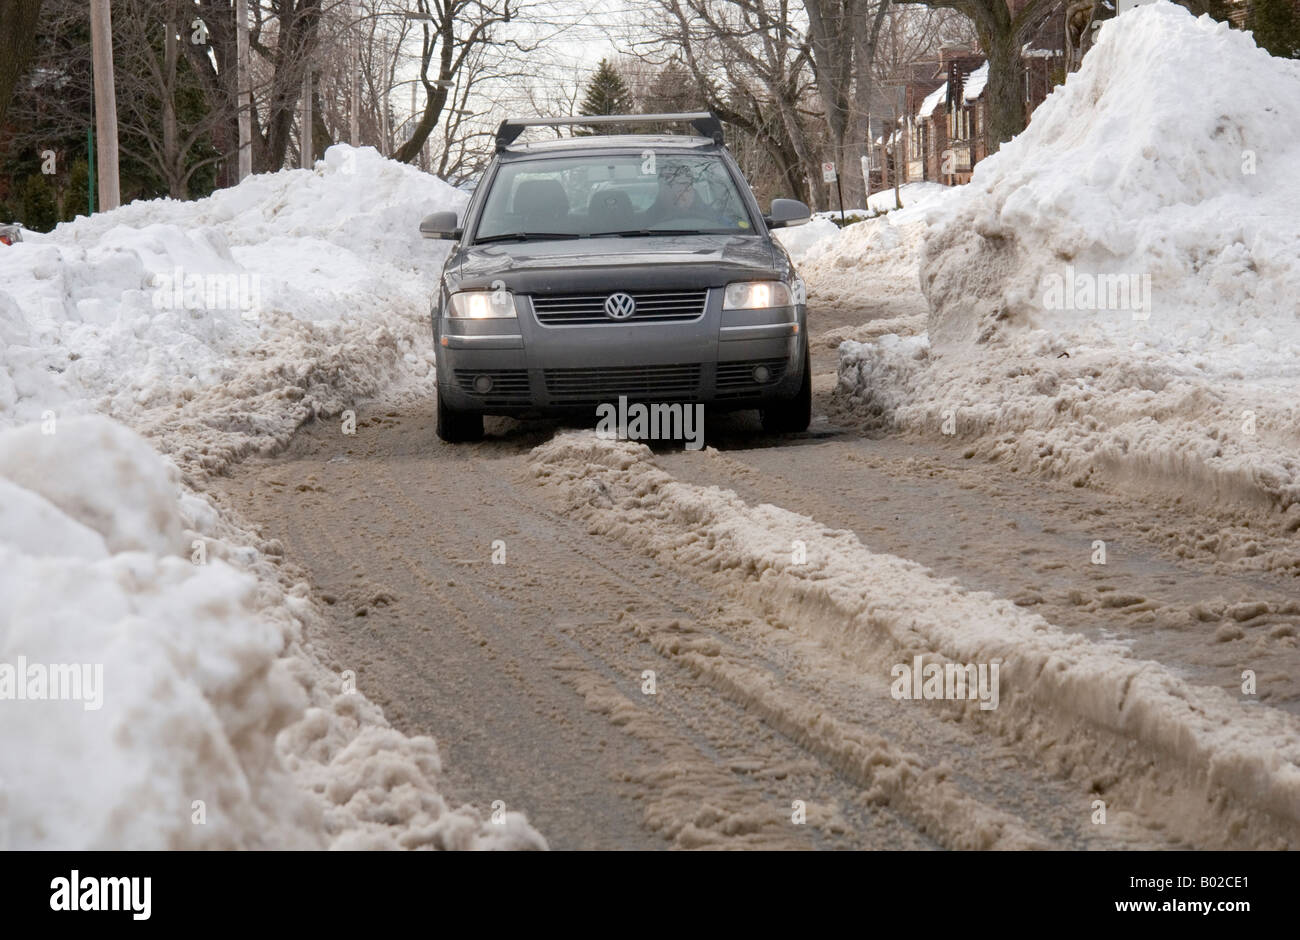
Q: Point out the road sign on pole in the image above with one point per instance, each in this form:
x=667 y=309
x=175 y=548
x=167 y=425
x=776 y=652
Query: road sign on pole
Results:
x=829 y=176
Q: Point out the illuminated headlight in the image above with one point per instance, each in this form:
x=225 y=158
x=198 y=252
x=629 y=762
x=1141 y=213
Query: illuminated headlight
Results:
x=756 y=295
x=481 y=305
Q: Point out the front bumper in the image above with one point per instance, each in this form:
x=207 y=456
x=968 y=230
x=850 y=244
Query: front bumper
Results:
x=524 y=367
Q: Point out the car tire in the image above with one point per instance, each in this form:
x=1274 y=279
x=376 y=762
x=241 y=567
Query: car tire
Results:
x=457 y=427
x=795 y=414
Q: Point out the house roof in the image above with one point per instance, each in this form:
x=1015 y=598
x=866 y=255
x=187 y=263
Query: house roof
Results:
x=933 y=100
x=972 y=88
x=975 y=82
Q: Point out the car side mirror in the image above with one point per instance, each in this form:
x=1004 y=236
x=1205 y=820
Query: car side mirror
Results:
x=440 y=225
x=787 y=212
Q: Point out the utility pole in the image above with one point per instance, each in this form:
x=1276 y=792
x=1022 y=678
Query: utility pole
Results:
x=898 y=156
x=308 y=160
x=384 y=147
x=90 y=175
x=245 y=93
x=101 y=39
x=354 y=115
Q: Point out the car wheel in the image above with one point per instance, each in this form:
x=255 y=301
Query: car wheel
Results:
x=455 y=427
x=794 y=415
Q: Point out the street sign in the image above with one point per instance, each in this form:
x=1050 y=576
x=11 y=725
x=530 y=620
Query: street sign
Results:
x=828 y=173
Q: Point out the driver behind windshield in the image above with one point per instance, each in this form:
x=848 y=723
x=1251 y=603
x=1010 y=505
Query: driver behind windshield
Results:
x=679 y=204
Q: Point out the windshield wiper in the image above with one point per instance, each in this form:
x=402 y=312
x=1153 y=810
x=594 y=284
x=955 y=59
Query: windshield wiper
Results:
x=523 y=237
x=636 y=232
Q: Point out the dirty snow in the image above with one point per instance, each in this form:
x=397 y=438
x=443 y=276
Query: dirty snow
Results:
x=1214 y=770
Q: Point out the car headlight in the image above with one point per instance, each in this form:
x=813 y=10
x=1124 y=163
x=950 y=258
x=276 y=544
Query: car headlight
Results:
x=481 y=305
x=756 y=295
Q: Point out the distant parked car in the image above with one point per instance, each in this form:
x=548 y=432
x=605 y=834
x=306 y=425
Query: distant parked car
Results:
x=10 y=234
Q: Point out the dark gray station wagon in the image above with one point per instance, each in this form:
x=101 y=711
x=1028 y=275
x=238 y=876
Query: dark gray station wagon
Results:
x=596 y=267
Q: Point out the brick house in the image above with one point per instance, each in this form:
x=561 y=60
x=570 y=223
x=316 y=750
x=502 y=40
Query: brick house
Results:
x=945 y=129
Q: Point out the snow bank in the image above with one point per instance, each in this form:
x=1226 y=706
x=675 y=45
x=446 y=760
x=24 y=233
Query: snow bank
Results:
x=263 y=305
x=1217 y=772
x=911 y=195
x=194 y=670
x=821 y=236
x=871 y=266
x=201 y=718
x=197 y=720
x=801 y=238
x=1115 y=292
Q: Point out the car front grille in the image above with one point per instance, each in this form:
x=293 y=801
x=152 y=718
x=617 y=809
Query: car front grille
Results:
x=736 y=379
x=650 y=383
x=651 y=307
x=509 y=386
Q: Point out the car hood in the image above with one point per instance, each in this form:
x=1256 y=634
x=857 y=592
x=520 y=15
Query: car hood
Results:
x=567 y=264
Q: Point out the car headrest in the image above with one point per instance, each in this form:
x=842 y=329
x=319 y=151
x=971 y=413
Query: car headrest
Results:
x=541 y=197
x=610 y=208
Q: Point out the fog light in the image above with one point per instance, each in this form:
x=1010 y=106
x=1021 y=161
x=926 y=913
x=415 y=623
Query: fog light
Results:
x=761 y=374
x=483 y=384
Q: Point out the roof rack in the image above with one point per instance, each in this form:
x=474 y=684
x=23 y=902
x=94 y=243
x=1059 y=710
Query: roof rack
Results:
x=706 y=122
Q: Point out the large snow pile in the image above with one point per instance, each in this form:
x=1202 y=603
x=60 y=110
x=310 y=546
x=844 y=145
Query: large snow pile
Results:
x=1116 y=291
x=1126 y=173
x=256 y=308
x=156 y=690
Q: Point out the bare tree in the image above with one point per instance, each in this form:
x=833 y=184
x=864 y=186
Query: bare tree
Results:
x=148 y=35
x=283 y=34
x=453 y=32
x=836 y=31
x=751 y=66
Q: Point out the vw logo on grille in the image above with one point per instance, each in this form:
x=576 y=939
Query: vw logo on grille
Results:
x=619 y=306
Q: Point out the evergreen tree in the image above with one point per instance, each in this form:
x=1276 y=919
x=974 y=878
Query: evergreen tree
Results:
x=1276 y=25
x=607 y=93
x=40 y=210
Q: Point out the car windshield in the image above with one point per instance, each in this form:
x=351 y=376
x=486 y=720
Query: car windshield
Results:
x=577 y=196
